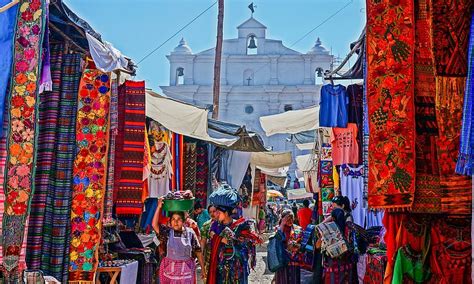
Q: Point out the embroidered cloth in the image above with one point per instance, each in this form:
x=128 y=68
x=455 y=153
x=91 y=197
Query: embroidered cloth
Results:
x=390 y=41
x=89 y=180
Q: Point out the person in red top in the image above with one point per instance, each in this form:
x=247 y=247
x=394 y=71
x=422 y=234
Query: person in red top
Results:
x=304 y=215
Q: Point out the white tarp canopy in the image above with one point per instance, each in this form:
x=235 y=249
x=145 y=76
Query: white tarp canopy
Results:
x=300 y=193
x=304 y=162
x=291 y=122
x=278 y=172
x=181 y=118
x=305 y=146
x=271 y=160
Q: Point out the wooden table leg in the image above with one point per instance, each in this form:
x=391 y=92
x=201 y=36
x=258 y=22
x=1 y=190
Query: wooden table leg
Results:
x=114 y=275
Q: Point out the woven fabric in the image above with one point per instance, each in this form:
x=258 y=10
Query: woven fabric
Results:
x=202 y=173
x=450 y=22
x=428 y=191
x=465 y=163
x=390 y=41
x=109 y=195
x=3 y=160
x=130 y=187
x=449 y=102
x=48 y=122
x=89 y=176
x=56 y=232
x=190 y=167
x=22 y=132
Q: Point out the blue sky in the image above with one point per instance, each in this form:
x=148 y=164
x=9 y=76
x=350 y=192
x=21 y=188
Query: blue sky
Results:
x=138 y=26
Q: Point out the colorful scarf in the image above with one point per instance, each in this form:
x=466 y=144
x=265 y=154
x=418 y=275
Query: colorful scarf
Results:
x=202 y=173
x=390 y=40
x=130 y=185
x=89 y=178
x=57 y=229
x=428 y=191
x=190 y=167
x=7 y=29
x=465 y=162
x=450 y=24
x=48 y=123
x=456 y=189
x=109 y=195
x=22 y=134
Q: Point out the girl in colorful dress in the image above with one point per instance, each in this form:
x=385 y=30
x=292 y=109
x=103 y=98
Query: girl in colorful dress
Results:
x=290 y=234
x=233 y=242
x=179 y=247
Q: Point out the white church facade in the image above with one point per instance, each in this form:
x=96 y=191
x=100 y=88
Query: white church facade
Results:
x=259 y=77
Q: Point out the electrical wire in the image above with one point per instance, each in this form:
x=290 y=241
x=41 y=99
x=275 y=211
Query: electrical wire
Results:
x=171 y=37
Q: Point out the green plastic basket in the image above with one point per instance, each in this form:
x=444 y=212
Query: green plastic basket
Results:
x=172 y=205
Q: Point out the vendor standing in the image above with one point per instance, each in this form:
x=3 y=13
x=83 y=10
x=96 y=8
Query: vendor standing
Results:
x=179 y=247
x=233 y=242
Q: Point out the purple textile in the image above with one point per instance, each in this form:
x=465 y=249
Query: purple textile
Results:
x=46 y=82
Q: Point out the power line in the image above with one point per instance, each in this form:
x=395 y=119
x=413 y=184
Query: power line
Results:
x=315 y=28
x=185 y=26
x=323 y=22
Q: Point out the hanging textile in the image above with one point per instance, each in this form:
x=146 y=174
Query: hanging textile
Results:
x=428 y=192
x=57 y=229
x=129 y=194
x=90 y=166
x=3 y=159
x=457 y=190
x=450 y=259
x=21 y=135
x=190 y=167
x=161 y=170
x=202 y=172
x=47 y=125
x=450 y=24
x=390 y=40
x=7 y=29
x=109 y=194
x=465 y=162
x=355 y=93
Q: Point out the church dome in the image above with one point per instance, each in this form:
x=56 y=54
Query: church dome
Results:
x=182 y=48
x=318 y=48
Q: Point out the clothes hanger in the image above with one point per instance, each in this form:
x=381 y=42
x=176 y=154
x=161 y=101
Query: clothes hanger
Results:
x=9 y=5
x=458 y=240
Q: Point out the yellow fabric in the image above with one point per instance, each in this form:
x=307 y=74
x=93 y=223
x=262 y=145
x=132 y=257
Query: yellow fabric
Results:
x=335 y=176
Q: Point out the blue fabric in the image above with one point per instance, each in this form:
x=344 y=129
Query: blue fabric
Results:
x=225 y=196
x=334 y=105
x=7 y=34
x=466 y=151
x=147 y=217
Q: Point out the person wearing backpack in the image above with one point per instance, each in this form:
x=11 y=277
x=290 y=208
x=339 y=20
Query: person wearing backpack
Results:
x=290 y=236
x=342 y=268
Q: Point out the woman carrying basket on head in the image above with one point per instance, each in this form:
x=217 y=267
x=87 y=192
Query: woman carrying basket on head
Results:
x=179 y=247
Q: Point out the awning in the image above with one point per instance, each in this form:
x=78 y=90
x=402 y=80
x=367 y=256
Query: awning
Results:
x=271 y=160
x=305 y=146
x=192 y=121
x=278 y=172
x=291 y=122
x=303 y=137
x=304 y=162
x=294 y=194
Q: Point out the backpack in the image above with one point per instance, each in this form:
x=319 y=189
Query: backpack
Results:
x=277 y=256
x=333 y=243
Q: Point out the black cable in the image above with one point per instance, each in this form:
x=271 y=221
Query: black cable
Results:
x=195 y=18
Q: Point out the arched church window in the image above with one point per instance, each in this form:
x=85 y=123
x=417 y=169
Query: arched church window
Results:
x=318 y=76
x=248 y=79
x=180 y=76
x=288 y=107
x=252 y=45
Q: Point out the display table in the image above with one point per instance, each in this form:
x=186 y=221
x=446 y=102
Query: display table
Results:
x=128 y=273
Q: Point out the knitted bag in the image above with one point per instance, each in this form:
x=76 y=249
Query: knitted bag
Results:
x=332 y=241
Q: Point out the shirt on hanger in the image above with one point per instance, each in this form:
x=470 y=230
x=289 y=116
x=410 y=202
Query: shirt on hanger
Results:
x=333 y=106
x=345 y=149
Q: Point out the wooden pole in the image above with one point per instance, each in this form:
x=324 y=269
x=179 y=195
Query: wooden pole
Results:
x=217 y=62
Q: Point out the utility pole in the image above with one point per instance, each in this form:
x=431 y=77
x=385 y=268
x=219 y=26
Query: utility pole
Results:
x=217 y=62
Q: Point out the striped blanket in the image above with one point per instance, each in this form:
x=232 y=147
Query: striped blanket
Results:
x=129 y=176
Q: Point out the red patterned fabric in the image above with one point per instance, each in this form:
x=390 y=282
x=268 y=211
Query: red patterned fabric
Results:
x=376 y=264
x=450 y=260
x=450 y=22
x=390 y=52
x=131 y=148
x=90 y=167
